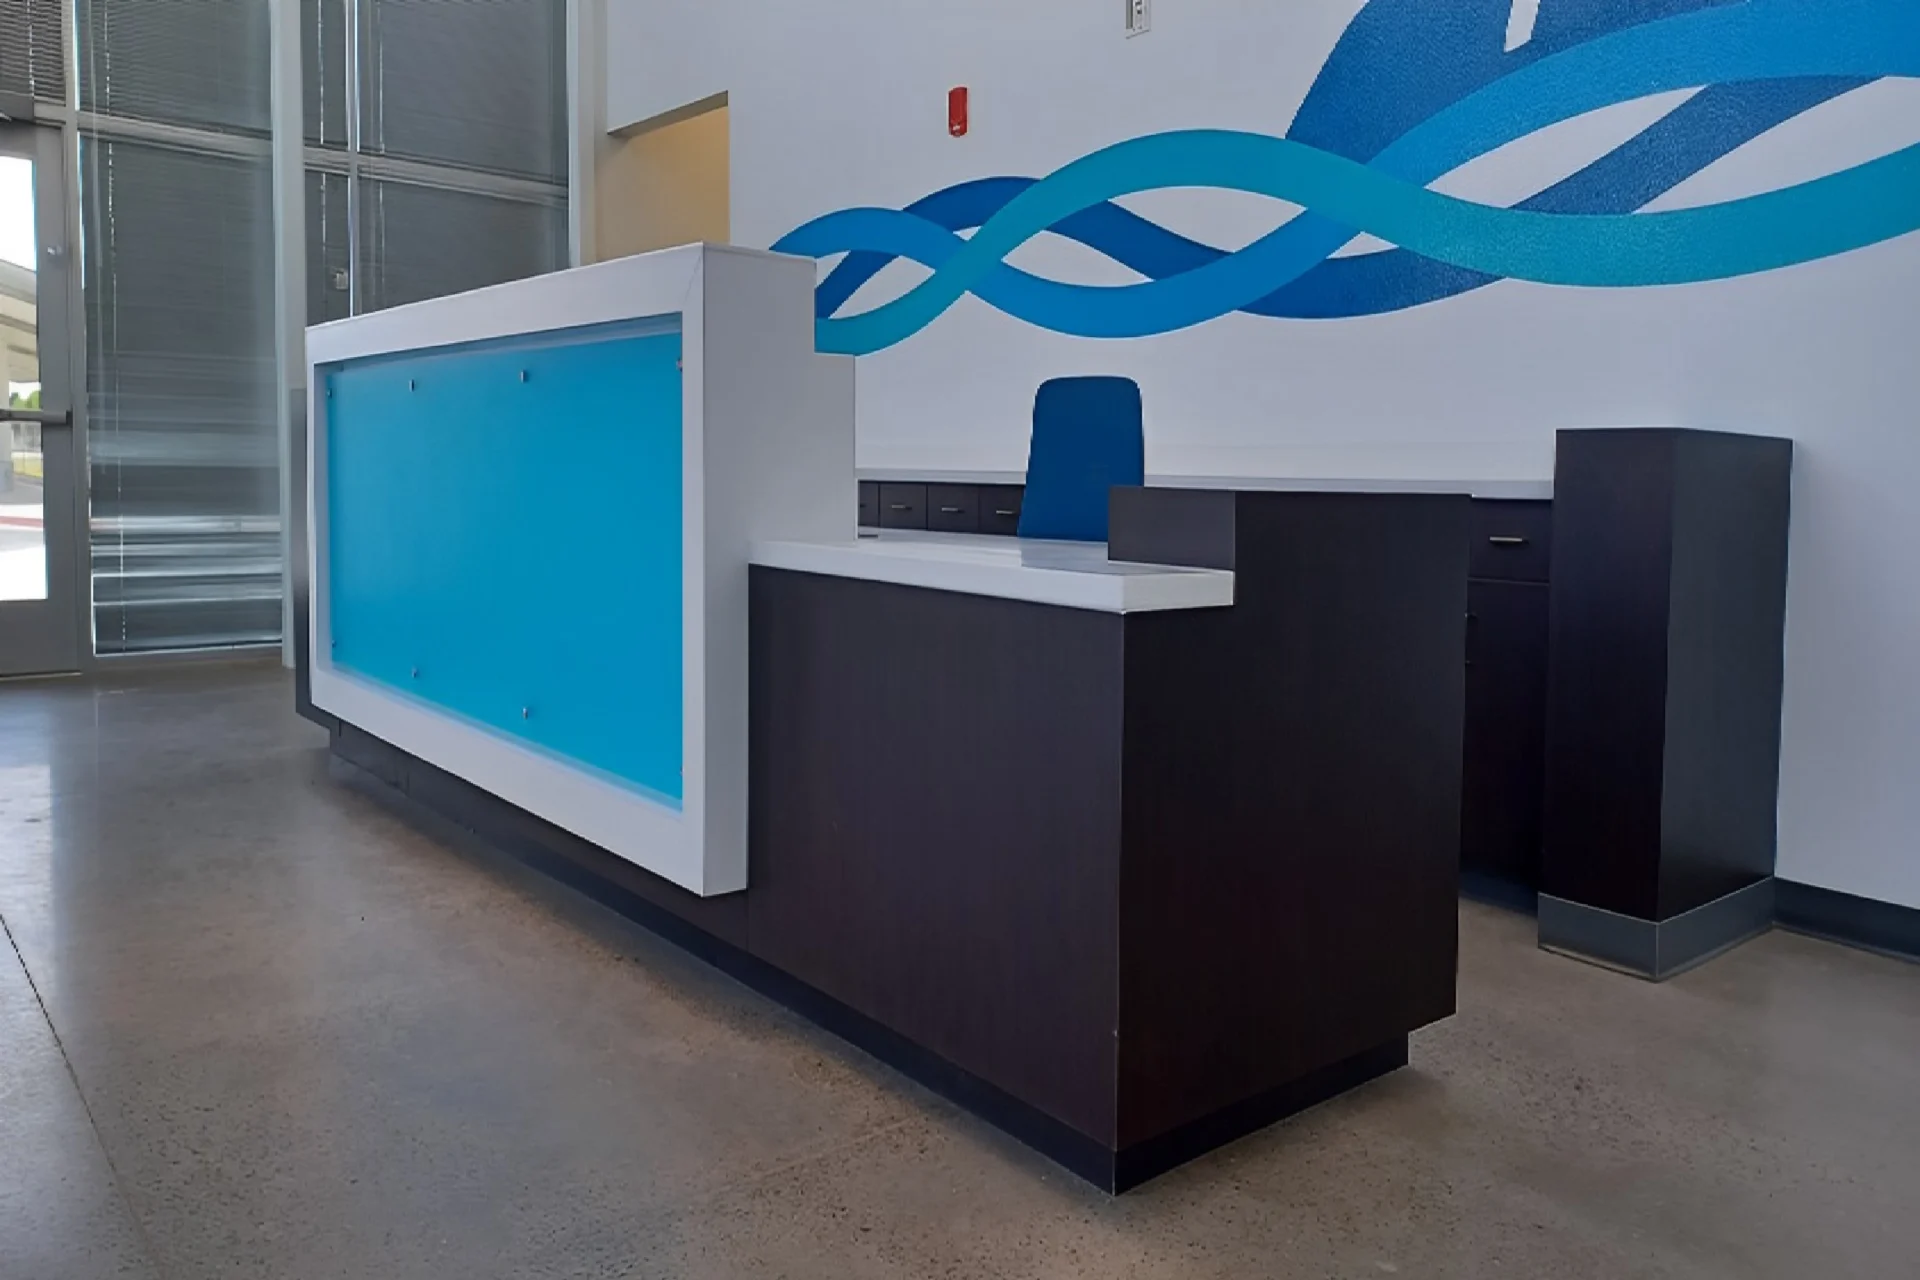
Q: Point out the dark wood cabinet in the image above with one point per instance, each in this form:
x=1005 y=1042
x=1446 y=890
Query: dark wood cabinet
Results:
x=1504 y=754
x=1506 y=738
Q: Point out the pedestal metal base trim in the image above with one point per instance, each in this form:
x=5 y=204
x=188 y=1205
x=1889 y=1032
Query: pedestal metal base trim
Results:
x=1656 y=949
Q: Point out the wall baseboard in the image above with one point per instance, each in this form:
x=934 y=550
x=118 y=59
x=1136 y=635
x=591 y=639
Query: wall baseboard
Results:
x=1656 y=950
x=1870 y=925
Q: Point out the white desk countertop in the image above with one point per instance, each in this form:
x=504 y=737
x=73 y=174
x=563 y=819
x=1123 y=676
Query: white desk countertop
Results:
x=1073 y=575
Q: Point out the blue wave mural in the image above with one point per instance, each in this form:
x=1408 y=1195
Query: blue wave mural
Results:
x=1412 y=91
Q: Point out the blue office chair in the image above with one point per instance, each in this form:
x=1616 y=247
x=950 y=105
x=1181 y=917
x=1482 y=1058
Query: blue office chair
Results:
x=1087 y=438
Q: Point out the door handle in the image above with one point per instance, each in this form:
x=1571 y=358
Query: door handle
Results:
x=39 y=417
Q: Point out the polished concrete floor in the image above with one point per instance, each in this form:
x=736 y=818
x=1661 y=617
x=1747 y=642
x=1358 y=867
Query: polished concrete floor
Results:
x=255 y=1023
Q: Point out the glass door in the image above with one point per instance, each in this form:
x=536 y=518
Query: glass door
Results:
x=39 y=574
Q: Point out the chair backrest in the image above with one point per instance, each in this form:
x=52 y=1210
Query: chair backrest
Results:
x=1087 y=438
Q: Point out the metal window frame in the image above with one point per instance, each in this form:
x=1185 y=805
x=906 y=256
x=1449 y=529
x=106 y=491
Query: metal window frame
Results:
x=291 y=156
x=359 y=166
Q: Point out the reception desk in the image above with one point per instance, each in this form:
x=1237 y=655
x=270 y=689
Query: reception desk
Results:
x=528 y=521
x=1131 y=849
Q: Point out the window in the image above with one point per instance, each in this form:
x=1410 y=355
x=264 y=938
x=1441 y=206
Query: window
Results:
x=437 y=161
x=181 y=416
x=181 y=420
x=440 y=161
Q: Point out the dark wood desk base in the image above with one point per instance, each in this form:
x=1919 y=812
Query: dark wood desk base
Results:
x=430 y=797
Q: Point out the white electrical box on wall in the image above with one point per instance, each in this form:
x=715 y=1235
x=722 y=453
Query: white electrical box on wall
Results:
x=1139 y=17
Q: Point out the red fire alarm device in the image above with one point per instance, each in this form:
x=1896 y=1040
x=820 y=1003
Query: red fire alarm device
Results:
x=957 y=111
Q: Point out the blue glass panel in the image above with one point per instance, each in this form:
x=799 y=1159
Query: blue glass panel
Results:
x=504 y=539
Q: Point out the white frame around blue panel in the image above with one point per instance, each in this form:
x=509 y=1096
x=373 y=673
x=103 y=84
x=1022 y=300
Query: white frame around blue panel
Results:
x=767 y=449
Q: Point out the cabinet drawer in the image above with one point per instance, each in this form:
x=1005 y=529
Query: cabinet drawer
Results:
x=1512 y=541
x=903 y=506
x=869 y=504
x=953 y=508
x=1000 y=508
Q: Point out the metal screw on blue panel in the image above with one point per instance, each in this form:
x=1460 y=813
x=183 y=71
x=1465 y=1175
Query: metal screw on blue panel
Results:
x=526 y=713
x=411 y=385
x=416 y=673
x=523 y=375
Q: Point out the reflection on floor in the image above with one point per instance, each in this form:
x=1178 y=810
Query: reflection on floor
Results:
x=254 y=1022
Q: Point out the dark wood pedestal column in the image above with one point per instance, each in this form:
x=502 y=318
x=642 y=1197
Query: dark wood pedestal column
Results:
x=1663 y=711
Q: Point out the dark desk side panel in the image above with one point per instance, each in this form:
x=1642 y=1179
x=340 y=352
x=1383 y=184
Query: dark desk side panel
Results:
x=935 y=824
x=1192 y=527
x=1293 y=789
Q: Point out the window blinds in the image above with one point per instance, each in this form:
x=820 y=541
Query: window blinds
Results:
x=480 y=84
x=188 y=62
x=419 y=242
x=32 y=60
x=178 y=288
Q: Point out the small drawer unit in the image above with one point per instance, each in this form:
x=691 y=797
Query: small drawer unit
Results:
x=1512 y=541
x=1504 y=784
x=953 y=508
x=903 y=506
x=869 y=504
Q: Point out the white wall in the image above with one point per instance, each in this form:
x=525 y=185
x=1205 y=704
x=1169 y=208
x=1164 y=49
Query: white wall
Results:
x=845 y=104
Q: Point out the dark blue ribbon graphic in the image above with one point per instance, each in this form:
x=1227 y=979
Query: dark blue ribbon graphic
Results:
x=1406 y=97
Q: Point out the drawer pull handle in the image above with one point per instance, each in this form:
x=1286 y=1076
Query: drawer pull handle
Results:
x=1004 y=514
x=899 y=506
x=1507 y=541
x=951 y=511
